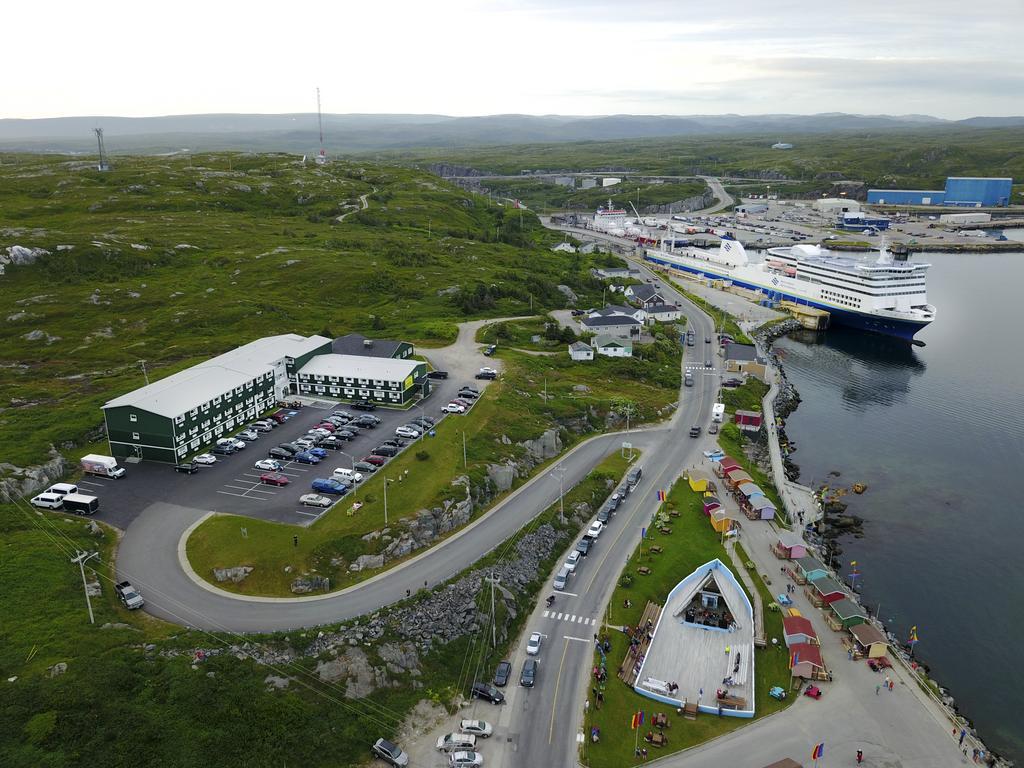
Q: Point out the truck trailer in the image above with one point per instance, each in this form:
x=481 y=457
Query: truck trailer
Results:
x=81 y=504
x=104 y=466
x=718 y=412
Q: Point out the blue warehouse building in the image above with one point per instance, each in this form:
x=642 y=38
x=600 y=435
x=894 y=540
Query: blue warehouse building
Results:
x=960 y=191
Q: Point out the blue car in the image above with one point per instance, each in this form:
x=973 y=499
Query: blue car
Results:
x=320 y=453
x=305 y=457
x=326 y=485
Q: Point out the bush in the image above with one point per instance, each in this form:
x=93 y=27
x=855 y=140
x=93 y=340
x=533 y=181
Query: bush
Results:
x=422 y=455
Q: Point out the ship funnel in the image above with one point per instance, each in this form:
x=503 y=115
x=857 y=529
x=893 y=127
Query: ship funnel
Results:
x=884 y=257
x=732 y=252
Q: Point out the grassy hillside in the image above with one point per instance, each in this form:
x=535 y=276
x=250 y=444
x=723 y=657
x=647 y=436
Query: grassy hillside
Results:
x=172 y=260
x=903 y=158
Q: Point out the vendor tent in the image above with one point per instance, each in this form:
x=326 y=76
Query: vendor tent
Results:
x=848 y=612
x=811 y=568
x=869 y=639
x=763 y=505
x=828 y=589
x=797 y=629
x=791 y=545
x=805 y=661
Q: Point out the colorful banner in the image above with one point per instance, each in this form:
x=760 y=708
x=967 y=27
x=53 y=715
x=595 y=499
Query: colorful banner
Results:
x=662 y=496
x=819 y=751
x=913 y=635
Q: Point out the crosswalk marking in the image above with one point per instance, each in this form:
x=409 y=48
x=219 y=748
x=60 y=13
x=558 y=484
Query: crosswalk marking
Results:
x=569 y=617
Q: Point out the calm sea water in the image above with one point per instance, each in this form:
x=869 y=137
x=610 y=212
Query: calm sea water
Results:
x=937 y=434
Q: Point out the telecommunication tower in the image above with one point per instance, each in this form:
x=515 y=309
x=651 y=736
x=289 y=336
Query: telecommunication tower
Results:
x=322 y=157
x=103 y=164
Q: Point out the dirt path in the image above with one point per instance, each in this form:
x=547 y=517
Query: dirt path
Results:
x=363 y=202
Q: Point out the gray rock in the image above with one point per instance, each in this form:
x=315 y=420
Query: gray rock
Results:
x=116 y=625
x=278 y=683
x=58 y=669
x=502 y=475
x=305 y=584
x=236 y=574
x=364 y=562
x=569 y=294
x=93 y=589
x=580 y=388
x=547 y=446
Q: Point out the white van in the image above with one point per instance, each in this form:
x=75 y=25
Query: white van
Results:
x=561 y=578
x=349 y=474
x=456 y=742
x=48 y=500
x=62 y=489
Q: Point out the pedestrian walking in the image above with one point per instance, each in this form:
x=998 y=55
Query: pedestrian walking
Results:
x=963 y=735
x=878 y=688
x=643 y=753
x=849 y=653
x=891 y=686
x=860 y=756
x=886 y=683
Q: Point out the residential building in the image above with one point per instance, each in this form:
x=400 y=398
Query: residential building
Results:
x=579 y=350
x=177 y=415
x=743 y=358
x=645 y=295
x=619 y=326
x=663 y=313
x=354 y=377
x=619 y=310
x=357 y=344
x=610 y=346
x=564 y=248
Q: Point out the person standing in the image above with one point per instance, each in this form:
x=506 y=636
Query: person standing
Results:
x=878 y=687
x=860 y=756
x=963 y=735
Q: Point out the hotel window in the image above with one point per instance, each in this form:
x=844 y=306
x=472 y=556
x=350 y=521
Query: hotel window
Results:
x=132 y=417
x=135 y=435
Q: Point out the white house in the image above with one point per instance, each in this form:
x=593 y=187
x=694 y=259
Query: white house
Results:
x=564 y=247
x=609 y=346
x=664 y=313
x=619 y=310
x=579 y=350
x=620 y=326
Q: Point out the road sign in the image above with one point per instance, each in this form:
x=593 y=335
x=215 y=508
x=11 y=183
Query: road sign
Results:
x=627 y=446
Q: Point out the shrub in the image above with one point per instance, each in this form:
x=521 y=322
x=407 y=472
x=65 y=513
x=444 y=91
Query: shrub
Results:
x=422 y=455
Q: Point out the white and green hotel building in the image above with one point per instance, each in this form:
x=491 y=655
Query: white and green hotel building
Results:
x=184 y=413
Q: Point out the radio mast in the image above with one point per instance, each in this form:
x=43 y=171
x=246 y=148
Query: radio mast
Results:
x=322 y=157
x=103 y=164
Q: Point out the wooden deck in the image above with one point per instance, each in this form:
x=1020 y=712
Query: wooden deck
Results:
x=636 y=653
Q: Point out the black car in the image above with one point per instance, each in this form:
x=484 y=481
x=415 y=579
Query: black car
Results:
x=583 y=545
x=603 y=515
x=487 y=375
x=437 y=375
x=502 y=674
x=345 y=434
x=695 y=431
x=395 y=442
x=708 y=364
x=188 y=469
x=385 y=450
x=707 y=339
x=364 y=466
x=468 y=388
x=491 y=350
x=469 y=394
x=331 y=443
x=290 y=447
x=364 y=423
x=364 y=405
x=529 y=675
x=224 y=450
x=488 y=692
x=280 y=453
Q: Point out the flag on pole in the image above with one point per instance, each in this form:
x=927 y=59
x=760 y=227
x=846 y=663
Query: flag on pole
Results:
x=819 y=751
x=632 y=722
x=794 y=659
x=913 y=635
x=641 y=716
x=662 y=496
x=643 y=533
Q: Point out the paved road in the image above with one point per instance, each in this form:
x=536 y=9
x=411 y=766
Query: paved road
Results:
x=540 y=725
x=724 y=198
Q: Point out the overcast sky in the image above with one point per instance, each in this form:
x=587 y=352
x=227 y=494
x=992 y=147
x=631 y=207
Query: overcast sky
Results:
x=471 y=57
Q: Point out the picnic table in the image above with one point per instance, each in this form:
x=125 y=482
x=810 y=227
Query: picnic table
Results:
x=656 y=549
x=643 y=570
x=665 y=530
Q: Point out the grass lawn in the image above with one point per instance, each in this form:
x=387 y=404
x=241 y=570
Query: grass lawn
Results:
x=514 y=406
x=745 y=398
x=692 y=543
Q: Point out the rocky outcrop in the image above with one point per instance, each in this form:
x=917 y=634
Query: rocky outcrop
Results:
x=547 y=446
x=446 y=170
x=502 y=476
x=235 y=575
x=306 y=584
x=20 y=256
x=682 y=206
x=24 y=481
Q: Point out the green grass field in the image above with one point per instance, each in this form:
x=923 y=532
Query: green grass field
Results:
x=692 y=543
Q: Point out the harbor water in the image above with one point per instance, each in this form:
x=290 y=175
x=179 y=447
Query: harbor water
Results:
x=937 y=435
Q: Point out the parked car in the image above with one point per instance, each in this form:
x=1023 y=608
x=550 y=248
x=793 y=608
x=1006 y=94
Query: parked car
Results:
x=48 y=501
x=437 y=375
x=364 y=405
x=292 y=448
x=533 y=644
x=319 y=432
x=396 y=442
x=453 y=408
x=274 y=478
x=385 y=450
x=249 y=434
x=479 y=728
x=473 y=390
x=502 y=673
x=320 y=453
x=305 y=457
x=261 y=426
x=205 y=458
x=488 y=692
x=491 y=349
x=330 y=426
x=583 y=545
x=615 y=501
x=595 y=529
x=377 y=461
x=280 y=453
x=573 y=560
x=129 y=595
x=328 y=485
x=460 y=401
x=713 y=429
x=188 y=468
x=529 y=674
x=345 y=434
x=314 y=500
x=305 y=442
x=604 y=514
x=408 y=432
x=232 y=441
x=472 y=395
x=269 y=465
x=364 y=466
x=465 y=759
x=487 y=375
x=224 y=450
x=390 y=753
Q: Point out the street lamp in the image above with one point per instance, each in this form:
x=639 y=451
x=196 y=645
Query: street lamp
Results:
x=386 y=481
x=560 y=469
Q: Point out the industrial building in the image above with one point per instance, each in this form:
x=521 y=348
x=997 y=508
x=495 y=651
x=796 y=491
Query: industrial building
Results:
x=173 y=417
x=385 y=380
x=856 y=221
x=836 y=205
x=960 y=191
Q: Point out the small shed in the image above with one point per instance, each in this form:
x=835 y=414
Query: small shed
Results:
x=579 y=350
x=710 y=503
x=811 y=568
x=748 y=419
x=721 y=520
x=727 y=463
x=748 y=489
x=698 y=480
x=738 y=476
x=805 y=661
x=790 y=546
x=847 y=613
x=869 y=639
x=763 y=506
x=828 y=589
x=797 y=629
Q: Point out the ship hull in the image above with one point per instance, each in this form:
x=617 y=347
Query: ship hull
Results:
x=902 y=329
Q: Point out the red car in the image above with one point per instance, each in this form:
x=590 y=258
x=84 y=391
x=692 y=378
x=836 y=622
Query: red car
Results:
x=813 y=691
x=377 y=461
x=460 y=401
x=326 y=425
x=273 y=478
x=280 y=417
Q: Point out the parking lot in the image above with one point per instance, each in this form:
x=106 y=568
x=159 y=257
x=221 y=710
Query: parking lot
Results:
x=233 y=484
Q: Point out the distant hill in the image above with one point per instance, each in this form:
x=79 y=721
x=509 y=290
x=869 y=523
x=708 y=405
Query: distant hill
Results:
x=367 y=133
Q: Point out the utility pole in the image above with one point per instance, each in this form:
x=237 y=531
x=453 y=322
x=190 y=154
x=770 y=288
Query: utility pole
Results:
x=81 y=558
x=492 y=580
x=560 y=469
x=386 y=481
x=144 y=374
x=465 y=461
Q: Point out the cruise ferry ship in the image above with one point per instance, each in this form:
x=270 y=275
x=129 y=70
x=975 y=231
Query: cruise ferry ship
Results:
x=885 y=295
